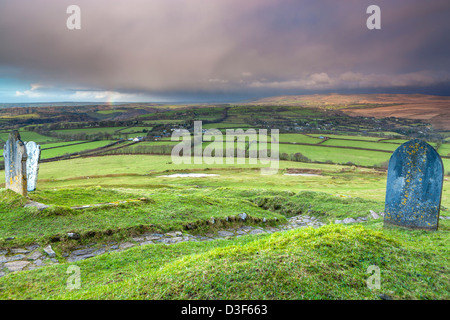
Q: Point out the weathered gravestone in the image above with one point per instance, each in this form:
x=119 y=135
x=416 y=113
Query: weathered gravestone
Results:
x=33 y=156
x=15 y=156
x=414 y=186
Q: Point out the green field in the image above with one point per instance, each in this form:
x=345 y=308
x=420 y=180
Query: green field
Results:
x=29 y=136
x=111 y=111
x=361 y=144
x=88 y=131
x=135 y=129
x=301 y=138
x=444 y=149
x=62 y=150
x=244 y=126
x=343 y=136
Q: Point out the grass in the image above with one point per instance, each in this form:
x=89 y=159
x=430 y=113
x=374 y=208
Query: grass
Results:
x=349 y=137
x=62 y=150
x=144 y=172
x=225 y=125
x=136 y=130
x=325 y=263
x=361 y=144
x=161 y=210
x=291 y=137
x=29 y=136
x=444 y=149
x=109 y=130
x=112 y=111
x=337 y=155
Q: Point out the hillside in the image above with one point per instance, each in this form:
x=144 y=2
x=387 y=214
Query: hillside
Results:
x=432 y=109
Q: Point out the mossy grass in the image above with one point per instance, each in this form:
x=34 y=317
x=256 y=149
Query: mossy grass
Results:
x=326 y=263
x=165 y=210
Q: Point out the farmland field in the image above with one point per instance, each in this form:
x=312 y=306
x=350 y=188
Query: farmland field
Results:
x=89 y=130
x=361 y=144
x=62 y=150
x=29 y=136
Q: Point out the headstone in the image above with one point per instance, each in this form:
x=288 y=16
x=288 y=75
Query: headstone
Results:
x=15 y=156
x=414 y=186
x=33 y=157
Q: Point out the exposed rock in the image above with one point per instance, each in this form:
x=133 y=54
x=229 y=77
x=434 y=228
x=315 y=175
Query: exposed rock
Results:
x=81 y=252
x=78 y=258
x=48 y=250
x=16 y=265
x=243 y=216
x=73 y=235
x=32 y=247
x=37 y=205
x=374 y=214
x=256 y=231
x=99 y=251
x=126 y=245
x=39 y=263
x=349 y=220
x=19 y=250
x=225 y=233
x=146 y=242
x=12 y=258
x=152 y=238
x=174 y=234
x=35 y=255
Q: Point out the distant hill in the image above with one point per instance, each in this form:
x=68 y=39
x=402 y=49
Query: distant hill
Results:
x=432 y=109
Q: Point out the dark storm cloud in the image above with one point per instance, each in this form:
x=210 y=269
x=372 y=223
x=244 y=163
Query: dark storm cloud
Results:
x=226 y=47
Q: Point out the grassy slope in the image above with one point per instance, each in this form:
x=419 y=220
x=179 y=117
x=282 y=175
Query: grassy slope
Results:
x=144 y=172
x=328 y=263
x=325 y=263
x=162 y=210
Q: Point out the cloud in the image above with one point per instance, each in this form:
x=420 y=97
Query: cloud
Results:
x=352 y=80
x=160 y=47
x=103 y=96
x=311 y=82
x=29 y=94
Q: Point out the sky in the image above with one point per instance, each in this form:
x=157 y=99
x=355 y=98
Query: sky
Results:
x=220 y=50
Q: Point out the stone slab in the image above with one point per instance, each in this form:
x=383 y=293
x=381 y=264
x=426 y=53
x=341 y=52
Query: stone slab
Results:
x=15 y=156
x=32 y=163
x=414 y=186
